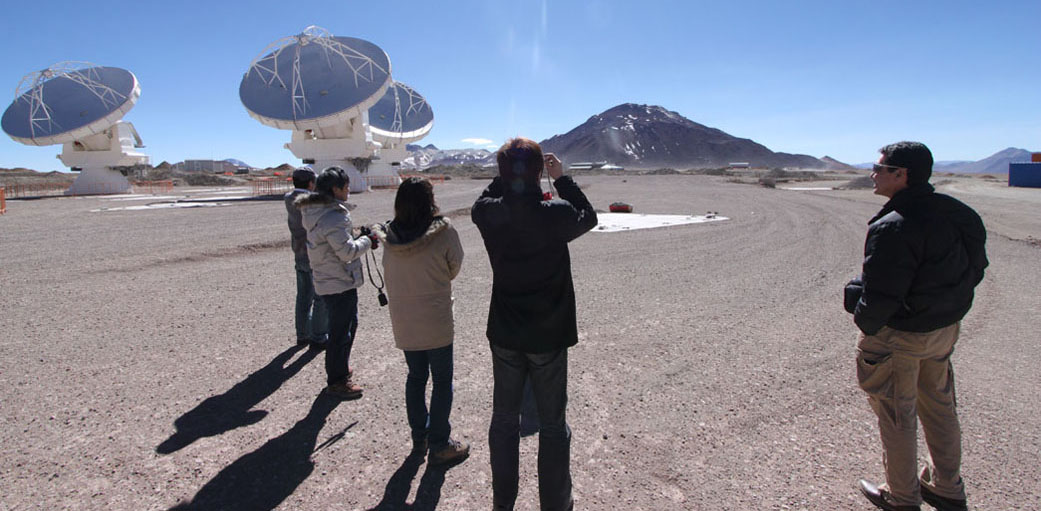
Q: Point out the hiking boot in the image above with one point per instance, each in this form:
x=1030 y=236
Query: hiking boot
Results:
x=452 y=452
x=346 y=390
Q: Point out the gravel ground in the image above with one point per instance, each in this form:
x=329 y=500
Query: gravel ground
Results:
x=147 y=360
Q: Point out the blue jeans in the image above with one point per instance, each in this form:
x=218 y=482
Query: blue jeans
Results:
x=312 y=321
x=343 y=322
x=434 y=424
x=548 y=373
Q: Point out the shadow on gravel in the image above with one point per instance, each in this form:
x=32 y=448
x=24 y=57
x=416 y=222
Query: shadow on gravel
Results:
x=427 y=495
x=264 y=478
x=230 y=410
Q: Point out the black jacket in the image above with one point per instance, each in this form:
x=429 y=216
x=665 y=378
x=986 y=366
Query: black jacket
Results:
x=923 y=257
x=297 y=233
x=532 y=308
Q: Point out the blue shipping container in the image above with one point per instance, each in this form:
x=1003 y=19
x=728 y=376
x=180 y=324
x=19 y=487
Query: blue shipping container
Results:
x=1024 y=174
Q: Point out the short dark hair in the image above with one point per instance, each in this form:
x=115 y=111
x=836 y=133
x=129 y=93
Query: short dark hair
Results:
x=520 y=159
x=332 y=177
x=302 y=183
x=914 y=156
x=414 y=206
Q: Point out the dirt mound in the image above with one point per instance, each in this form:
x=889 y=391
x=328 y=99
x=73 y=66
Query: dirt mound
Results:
x=859 y=183
x=24 y=176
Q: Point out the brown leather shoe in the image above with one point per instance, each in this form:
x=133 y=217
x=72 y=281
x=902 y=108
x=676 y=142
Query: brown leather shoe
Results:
x=880 y=498
x=346 y=390
x=451 y=453
x=943 y=503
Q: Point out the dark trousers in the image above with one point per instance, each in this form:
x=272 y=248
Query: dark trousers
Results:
x=311 y=319
x=548 y=374
x=343 y=322
x=433 y=423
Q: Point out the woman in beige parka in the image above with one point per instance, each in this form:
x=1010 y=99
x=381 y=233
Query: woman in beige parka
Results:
x=421 y=257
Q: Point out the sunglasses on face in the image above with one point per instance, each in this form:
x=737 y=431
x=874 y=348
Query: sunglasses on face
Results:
x=878 y=167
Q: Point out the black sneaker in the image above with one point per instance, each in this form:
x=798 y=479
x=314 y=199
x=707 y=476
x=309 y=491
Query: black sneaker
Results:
x=942 y=503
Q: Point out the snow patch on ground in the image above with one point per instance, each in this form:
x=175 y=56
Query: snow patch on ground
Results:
x=618 y=222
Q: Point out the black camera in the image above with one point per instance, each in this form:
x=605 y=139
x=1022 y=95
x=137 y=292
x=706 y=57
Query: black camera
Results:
x=382 y=297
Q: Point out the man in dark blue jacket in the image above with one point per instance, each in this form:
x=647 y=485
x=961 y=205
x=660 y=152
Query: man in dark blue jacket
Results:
x=311 y=317
x=923 y=258
x=532 y=315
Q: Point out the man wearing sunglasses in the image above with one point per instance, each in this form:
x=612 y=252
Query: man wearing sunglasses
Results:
x=923 y=257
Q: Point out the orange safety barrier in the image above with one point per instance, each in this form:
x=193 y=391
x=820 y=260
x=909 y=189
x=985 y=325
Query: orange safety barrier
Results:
x=378 y=182
x=153 y=187
x=271 y=186
x=3 y=201
x=35 y=189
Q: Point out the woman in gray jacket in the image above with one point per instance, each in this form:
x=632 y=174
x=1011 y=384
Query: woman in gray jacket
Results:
x=335 y=262
x=422 y=255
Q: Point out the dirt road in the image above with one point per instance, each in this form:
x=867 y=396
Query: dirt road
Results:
x=147 y=360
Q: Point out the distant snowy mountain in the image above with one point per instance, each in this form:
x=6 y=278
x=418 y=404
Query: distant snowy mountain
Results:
x=648 y=136
x=238 y=163
x=423 y=157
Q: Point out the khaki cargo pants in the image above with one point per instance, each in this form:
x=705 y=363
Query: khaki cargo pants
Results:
x=908 y=377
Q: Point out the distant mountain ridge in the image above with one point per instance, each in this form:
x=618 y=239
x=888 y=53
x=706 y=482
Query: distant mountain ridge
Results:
x=996 y=163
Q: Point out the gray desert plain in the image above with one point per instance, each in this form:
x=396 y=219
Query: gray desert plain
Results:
x=148 y=360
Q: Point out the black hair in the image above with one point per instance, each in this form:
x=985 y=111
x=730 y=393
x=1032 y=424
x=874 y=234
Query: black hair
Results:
x=332 y=177
x=302 y=183
x=913 y=156
x=414 y=206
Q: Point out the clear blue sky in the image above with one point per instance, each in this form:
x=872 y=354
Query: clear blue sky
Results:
x=838 y=78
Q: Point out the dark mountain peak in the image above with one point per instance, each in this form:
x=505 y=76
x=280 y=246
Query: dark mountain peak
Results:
x=630 y=113
x=649 y=136
x=417 y=147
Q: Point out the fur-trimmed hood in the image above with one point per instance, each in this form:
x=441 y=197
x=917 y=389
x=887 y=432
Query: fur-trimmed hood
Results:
x=314 y=206
x=392 y=243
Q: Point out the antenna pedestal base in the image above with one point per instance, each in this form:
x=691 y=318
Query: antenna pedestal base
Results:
x=357 y=180
x=97 y=154
x=99 y=181
x=383 y=173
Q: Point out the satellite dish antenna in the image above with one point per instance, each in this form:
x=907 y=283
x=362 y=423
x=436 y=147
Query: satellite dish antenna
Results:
x=401 y=116
x=79 y=105
x=321 y=87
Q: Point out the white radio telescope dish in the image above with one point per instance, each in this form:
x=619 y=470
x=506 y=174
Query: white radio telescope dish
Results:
x=321 y=87
x=400 y=117
x=80 y=105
